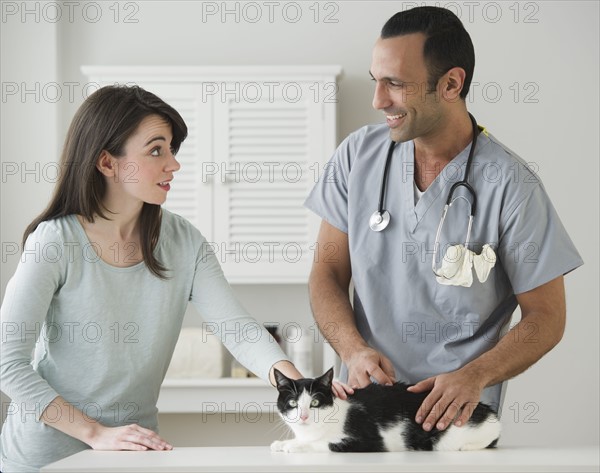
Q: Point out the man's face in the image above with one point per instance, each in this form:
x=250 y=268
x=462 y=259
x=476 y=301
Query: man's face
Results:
x=401 y=91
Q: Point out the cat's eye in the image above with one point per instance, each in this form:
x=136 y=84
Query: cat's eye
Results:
x=314 y=403
x=293 y=403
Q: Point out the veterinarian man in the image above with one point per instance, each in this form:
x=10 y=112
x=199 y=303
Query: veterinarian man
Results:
x=446 y=329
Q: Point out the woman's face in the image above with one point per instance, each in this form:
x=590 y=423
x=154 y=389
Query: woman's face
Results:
x=145 y=170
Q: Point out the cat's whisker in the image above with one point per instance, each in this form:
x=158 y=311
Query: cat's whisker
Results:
x=280 y=429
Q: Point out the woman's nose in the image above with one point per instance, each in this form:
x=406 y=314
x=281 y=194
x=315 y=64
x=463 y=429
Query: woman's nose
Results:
x=173 y=165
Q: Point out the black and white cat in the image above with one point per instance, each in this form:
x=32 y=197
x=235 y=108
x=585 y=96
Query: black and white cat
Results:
x=374 y=419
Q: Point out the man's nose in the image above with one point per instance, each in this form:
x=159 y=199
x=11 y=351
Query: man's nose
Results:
x=381 y=98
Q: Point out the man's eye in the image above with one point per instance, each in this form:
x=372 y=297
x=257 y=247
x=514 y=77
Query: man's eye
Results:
x=293 y=403
x=396 y=84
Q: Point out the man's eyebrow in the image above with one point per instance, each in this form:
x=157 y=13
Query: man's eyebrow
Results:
x=156 y=138
x=388 y=79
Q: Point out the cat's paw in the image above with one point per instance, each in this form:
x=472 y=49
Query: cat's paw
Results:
x=337 y=447
x=290 y=446
x=277 y=446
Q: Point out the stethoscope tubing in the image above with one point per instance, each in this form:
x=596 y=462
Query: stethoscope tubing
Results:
x=380 y=218
x=386 y=169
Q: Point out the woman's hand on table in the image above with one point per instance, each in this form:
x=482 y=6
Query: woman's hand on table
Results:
x=127 y=437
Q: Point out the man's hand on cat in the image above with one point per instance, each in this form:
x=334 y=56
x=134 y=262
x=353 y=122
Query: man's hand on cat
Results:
x=340 y=389
x=453 y=398
x=365 y=365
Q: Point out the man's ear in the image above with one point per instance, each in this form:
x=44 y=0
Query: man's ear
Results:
x=106 y=164
x=453 y=83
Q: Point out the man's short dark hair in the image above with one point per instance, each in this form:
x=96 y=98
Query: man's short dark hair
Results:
x=447 y=45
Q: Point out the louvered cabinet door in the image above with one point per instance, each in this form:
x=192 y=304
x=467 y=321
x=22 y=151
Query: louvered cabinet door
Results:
x=267 y=153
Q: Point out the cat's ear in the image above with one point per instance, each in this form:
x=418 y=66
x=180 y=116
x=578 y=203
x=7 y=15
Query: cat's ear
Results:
x=327 y=378
x=281 y=379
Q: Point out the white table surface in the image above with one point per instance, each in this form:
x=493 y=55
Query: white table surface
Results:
x=260 y=459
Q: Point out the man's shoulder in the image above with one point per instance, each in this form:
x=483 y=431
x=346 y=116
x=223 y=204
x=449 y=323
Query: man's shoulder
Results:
x=506 y=161
x=363 y=142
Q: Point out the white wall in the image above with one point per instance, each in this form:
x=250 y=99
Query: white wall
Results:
x=28 y=134
x=549 y=54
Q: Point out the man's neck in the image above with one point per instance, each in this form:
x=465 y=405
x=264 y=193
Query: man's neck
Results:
x=434 y=151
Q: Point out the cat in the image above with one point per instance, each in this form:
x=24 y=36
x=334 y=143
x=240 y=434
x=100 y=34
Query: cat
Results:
x=374 y=419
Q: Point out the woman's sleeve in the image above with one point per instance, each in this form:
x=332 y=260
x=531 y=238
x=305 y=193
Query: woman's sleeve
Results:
x=246 y=339
x=24 y=309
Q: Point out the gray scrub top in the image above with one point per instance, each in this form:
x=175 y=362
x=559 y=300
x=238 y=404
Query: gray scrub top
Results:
x=423 y=327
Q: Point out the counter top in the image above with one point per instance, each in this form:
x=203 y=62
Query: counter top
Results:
x=261 y=459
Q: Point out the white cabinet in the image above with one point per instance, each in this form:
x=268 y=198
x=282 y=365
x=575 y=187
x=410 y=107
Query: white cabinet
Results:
x=258 y=140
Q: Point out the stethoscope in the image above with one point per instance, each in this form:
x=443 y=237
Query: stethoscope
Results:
x=380 y=219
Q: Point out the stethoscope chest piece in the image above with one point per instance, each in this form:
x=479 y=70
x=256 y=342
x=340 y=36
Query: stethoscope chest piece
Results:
x=379 y=220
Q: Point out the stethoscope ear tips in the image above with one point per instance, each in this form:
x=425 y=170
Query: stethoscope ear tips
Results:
x=379 y=220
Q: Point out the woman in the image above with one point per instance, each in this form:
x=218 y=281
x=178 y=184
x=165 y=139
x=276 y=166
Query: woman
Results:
x=104 y=281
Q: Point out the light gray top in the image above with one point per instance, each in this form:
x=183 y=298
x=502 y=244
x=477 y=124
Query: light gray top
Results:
x=107 y=333
x=423 y=327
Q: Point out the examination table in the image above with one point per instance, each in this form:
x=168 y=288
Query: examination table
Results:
x=261 y=459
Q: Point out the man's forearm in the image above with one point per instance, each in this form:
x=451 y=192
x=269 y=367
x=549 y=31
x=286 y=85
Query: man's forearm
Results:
x=520 y=348
x=540 y=329
x=333 y=313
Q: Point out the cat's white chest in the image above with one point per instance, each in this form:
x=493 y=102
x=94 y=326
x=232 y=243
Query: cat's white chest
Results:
x=314 y=434
x=324 y=424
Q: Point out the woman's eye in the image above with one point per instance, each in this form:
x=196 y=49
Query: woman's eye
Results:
x=314 y=403
x=155 y=151
x=293 y=403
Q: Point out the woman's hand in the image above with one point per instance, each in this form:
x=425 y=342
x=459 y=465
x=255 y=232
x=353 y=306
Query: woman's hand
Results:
x=96 y=435
x=339 y=389
x=127 y=437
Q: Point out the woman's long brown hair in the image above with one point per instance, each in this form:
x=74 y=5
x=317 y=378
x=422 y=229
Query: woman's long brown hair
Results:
x=105 y=121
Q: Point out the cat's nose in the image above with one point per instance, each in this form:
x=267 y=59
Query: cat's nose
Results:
x=303 y=416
